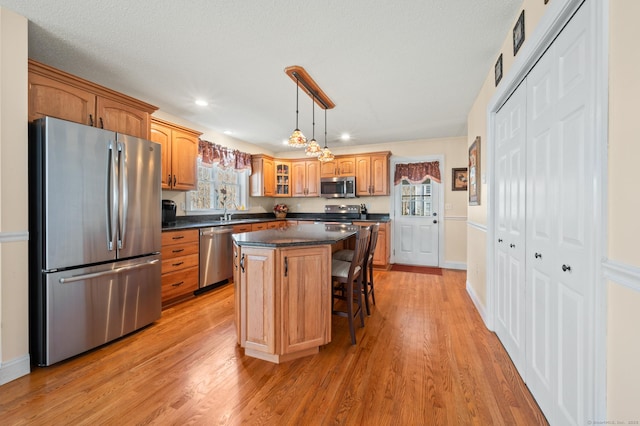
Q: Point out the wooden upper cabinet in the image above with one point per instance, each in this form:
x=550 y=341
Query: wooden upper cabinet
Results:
x=341 y=166
x=179 y=154
x=119 y=117
x=306 y=178
x=263 y=176
x=48 y=97
x=283 y=178
x=372 y=173
x=55 y=93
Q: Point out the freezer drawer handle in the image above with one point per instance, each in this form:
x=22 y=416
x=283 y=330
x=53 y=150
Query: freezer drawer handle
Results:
x=105 y=273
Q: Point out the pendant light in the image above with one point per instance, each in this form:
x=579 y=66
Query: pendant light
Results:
x=326 y=154
x=297 y=139
x=313 y=149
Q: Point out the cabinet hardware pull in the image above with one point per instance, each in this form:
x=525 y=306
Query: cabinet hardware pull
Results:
x=512 y=245
x=566 y=268
x=91 y=120
x=177 y=237
x=538 y=255
x=177 y=284
x=286 y=266
x=177 y=264
x=499 y=240
x=242 y=263
x=101 y=123
x=174 y=180
x=169 y=179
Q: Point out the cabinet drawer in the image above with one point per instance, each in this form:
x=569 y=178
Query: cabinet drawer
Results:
x=178 y=263
x=177 y=250
x=179 y=237
x=259 y=226
x=238 y=229
x=179 y=283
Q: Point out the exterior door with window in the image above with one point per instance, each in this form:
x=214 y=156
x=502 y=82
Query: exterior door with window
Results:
x=417 y=222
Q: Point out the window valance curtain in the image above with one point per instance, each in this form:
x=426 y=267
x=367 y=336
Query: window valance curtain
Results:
x=416 y=173
x=212 y=153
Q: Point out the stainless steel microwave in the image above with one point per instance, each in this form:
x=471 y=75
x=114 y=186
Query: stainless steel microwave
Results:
x=338 y=187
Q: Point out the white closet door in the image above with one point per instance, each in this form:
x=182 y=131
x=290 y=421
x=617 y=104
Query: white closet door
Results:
x=510 y=226
x=560 y=211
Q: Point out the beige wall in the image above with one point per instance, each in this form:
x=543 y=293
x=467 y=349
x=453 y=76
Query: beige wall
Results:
x=477 y=126
x=623 y=339
x=14 y=343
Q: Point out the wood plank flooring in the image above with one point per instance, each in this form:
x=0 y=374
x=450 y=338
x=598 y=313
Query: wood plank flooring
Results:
x=424 y=357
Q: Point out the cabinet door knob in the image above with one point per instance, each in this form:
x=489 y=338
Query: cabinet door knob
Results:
x=499 y=240
x=435 y=221
x=538 y=255
x=566 y=268
x=512 y=245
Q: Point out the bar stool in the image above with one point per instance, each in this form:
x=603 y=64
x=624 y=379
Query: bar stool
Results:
x=344 y=275
x=367 y=278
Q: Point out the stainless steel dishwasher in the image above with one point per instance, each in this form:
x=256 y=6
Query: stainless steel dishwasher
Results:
x=215 y=255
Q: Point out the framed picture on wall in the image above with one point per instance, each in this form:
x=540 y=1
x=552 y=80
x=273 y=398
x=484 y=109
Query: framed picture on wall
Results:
x=498 y=70
x=518 y=34
x=474 y=173
x=459 y=179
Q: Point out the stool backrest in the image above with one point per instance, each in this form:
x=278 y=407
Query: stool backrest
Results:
x=373 y=240
x=359 y=252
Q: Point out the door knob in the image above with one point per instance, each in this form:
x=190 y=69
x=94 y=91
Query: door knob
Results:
x=512 y=245
x=435 y=221
x=435 y=214
x=538 y=255
x=566 y=268
x=499 y=240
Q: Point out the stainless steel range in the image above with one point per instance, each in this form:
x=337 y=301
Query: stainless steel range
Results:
x=341 y=213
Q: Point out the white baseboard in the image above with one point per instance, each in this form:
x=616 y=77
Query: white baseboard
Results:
x=454 y=265
x=476 y=302
x=15 y=368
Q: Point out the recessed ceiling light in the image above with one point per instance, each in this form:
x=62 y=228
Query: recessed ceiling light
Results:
x=201 y=102
x=228 y=132
x=345 y=137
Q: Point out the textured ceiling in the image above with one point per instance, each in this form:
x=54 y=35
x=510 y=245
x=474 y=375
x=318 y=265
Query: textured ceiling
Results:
x=396 y=70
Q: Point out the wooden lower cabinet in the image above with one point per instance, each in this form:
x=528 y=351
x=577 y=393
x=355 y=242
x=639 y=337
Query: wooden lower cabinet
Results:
x=180 y=265
x=284 y=301
x=383 y=246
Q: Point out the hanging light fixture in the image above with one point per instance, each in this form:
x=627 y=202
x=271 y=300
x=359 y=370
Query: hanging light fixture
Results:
x=313 y=149
x=297 y=139
x=326 y=154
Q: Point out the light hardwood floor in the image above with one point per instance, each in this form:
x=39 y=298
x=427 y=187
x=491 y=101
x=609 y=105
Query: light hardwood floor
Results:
x=424 y=357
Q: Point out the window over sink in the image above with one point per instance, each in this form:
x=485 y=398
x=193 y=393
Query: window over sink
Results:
x=219 y=189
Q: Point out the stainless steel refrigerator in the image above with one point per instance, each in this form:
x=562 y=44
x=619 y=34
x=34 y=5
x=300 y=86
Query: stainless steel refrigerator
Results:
x=95 y=237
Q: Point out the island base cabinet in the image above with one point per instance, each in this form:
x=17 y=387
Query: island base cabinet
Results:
x=285 y=301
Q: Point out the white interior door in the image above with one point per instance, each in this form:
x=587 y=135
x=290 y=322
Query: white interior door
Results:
x=416 y=223
x=561 y=160
x=510 y=226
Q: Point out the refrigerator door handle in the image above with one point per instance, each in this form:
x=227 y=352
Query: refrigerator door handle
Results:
x=112 y=196
x=124 y=194
x=83 y=277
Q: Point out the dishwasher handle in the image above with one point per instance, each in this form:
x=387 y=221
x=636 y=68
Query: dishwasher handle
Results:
x=216 y=231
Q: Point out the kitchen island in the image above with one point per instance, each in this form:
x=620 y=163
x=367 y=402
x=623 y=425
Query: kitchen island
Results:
x=282 y=280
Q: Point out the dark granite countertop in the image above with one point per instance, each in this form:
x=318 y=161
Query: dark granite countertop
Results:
x=299 y=235
x=190 y=222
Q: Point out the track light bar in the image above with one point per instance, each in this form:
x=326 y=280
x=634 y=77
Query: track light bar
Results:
x=302 y=78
